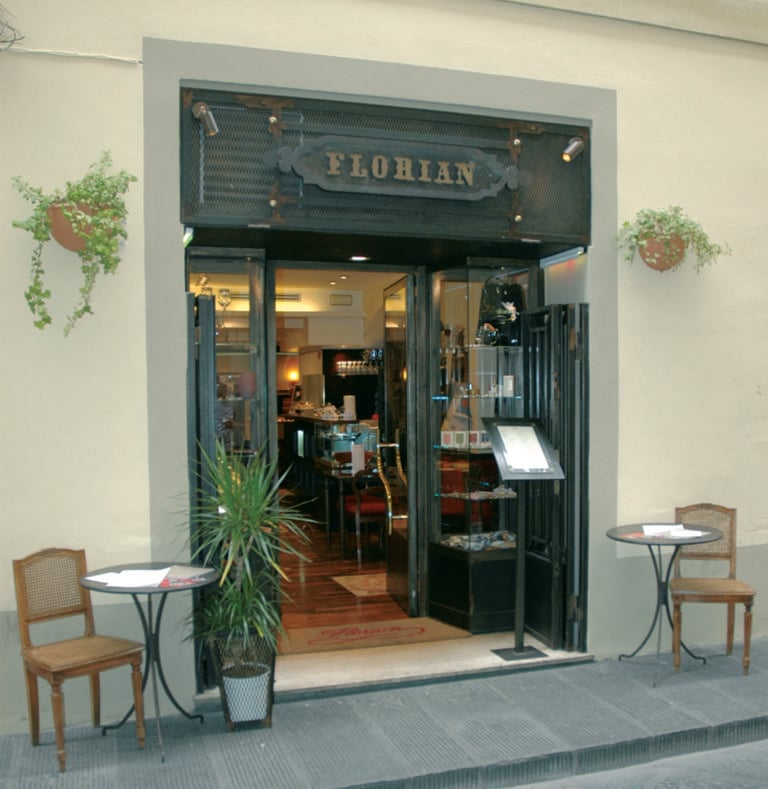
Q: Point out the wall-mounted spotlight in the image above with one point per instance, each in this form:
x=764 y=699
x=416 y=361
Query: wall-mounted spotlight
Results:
x=203 y=113
x=573 y=149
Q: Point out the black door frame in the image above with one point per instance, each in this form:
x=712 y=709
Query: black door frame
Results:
x=261 y=275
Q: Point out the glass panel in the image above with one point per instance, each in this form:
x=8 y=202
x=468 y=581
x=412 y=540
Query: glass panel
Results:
x=235 y=382
x=477 y=375
x=480 y=376
x=400 y=567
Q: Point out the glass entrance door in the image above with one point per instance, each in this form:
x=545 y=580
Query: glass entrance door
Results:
x=394 y=444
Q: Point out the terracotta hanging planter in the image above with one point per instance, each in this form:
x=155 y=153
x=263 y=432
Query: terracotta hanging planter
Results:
x=62 y=230
x=665 y=238
x=662 y=254
x=97 y=205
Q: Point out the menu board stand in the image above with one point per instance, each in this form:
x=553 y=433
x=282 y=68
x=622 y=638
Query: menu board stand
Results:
x=522 y=452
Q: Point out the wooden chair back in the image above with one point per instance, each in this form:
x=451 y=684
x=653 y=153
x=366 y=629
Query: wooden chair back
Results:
x=714 y=516
x=48 y=587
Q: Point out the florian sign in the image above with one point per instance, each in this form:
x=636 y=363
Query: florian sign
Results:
x=402 y=169
x=306 y=164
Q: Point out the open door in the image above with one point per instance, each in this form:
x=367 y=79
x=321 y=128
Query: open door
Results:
x=557 y=374
x=225 y=324
x=394 y=442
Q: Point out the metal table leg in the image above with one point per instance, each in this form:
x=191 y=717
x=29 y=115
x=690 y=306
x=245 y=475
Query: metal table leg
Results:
x=662 y=602
x=153 y=666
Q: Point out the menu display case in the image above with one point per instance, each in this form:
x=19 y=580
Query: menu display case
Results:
x=480 y=377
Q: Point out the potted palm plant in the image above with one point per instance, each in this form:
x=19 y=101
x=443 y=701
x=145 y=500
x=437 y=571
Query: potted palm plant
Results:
x=243 y=524
x=86 y=216
x=663 y=237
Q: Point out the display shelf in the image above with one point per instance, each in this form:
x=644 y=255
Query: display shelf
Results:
x=473 y=546
x=473 y=590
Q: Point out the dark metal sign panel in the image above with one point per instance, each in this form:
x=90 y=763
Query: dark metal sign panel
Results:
x=326 y=166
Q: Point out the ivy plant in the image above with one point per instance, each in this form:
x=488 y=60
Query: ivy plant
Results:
x=96 y=210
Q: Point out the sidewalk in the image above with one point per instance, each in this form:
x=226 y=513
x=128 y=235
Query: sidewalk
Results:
x=492 y=730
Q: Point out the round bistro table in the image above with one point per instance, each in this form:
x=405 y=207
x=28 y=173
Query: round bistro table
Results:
x=633 y=533
x=150 y=622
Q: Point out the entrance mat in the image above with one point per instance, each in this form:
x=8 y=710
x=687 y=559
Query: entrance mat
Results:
x=366 y=585
x=510 y=653
x=371 y=634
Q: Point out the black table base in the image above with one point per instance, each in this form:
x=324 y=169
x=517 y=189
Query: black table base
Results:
x=662 y=603
x=153 y=665
x=655 y=537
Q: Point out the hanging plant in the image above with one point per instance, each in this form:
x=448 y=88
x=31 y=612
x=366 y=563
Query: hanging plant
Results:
x=86 y=216
x=662 y=238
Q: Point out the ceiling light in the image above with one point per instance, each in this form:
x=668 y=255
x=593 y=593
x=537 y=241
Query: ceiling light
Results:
x=332 y=282
x=573 y=149
x=203 y=113
x=359 y=258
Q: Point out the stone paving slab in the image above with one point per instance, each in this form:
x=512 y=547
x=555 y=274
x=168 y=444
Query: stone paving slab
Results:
x=501 y=730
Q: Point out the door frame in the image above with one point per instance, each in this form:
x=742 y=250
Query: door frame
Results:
x=419 y=357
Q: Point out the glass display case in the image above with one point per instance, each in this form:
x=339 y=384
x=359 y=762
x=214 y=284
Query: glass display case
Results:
x=480 y=377
x=344 y=446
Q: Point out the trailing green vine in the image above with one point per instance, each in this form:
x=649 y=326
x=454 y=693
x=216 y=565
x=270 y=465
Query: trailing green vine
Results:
x=95 y=207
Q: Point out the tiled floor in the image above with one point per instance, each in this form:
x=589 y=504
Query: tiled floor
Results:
x=492 y=728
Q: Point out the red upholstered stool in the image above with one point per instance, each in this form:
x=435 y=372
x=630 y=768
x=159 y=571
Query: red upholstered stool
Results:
x=368 y=505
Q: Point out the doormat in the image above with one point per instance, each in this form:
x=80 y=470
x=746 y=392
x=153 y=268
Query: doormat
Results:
x=371 y=634
x=510 y=653
x=366 y=585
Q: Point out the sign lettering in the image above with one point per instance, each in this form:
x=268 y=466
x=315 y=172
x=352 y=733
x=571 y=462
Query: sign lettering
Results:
x=407 y=169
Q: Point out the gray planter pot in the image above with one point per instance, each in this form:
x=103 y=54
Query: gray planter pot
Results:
x=246 y=689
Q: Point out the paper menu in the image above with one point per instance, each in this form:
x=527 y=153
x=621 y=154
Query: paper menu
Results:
x=185 y=571
x=522 y=449
x=131 y=579
x=673 y=530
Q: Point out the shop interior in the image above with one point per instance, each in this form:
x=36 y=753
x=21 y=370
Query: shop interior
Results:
x=340 y=397
x=329 y=326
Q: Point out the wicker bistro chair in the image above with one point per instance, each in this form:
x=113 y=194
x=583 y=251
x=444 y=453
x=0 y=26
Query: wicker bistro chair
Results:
x=48 y=588
x=728 y=589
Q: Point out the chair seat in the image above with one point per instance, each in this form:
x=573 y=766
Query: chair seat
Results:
x=78 y=656
x=719 y=587
x=369 y=505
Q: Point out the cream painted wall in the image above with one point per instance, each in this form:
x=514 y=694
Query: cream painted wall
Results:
x=73 y=410
x=81 y=421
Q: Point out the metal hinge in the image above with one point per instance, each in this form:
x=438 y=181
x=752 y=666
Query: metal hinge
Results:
x=575 y=614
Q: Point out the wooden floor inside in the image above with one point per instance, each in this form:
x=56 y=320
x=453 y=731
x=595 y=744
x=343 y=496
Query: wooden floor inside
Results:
x=316 y=600
x=319 y=601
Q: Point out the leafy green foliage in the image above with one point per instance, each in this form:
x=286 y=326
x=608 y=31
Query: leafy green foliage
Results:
x=666 y=226
x=244 y=525
x=96 y=208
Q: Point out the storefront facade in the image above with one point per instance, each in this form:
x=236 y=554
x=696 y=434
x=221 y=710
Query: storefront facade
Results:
x=533 y=64
x=596 y=125
x=480 y=209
